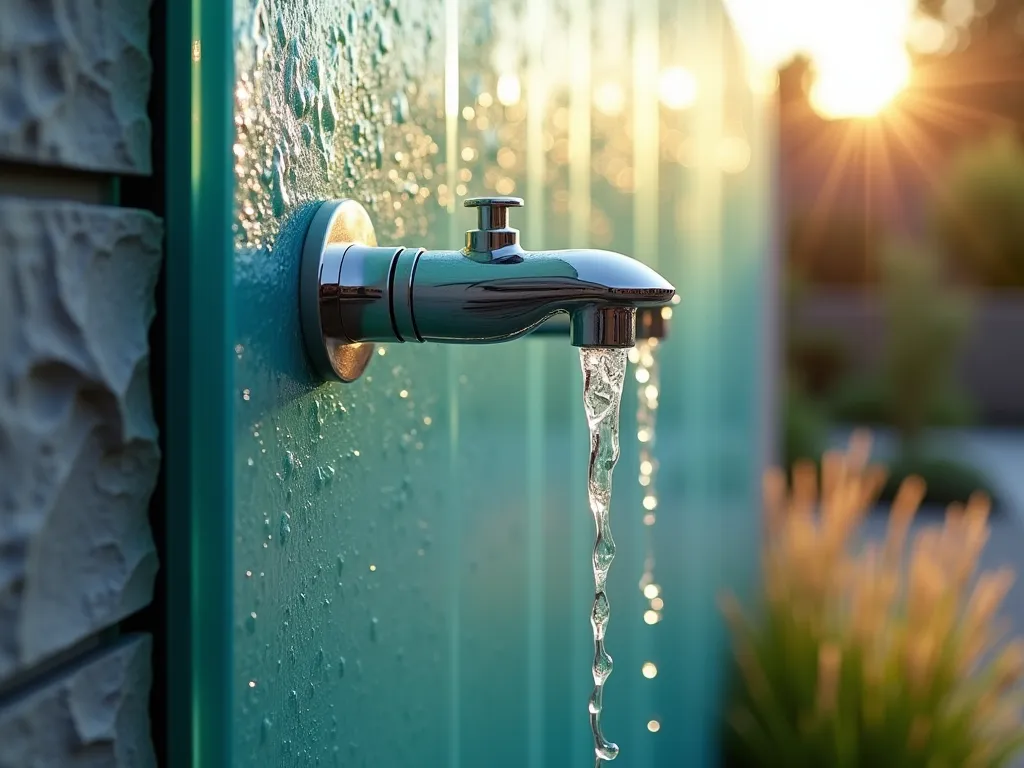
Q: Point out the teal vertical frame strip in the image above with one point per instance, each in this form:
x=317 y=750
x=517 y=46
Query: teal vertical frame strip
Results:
x=455 y=500
x=536 y=94
x=198 y=467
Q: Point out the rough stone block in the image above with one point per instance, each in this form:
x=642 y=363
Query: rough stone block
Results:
x=78 y=442
x=74 y=83
x=94 y=715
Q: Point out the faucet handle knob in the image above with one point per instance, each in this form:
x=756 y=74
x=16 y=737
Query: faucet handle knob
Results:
x=492 y=212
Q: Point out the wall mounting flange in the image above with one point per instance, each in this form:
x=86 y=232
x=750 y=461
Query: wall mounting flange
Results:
x=336 y=226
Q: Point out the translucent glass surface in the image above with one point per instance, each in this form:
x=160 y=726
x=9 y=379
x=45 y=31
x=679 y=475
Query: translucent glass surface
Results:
x=412 y=553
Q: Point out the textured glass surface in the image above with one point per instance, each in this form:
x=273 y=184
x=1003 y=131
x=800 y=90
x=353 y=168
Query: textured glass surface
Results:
x=412 y=556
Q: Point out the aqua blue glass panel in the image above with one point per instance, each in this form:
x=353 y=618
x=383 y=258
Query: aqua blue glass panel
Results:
x=411 y=555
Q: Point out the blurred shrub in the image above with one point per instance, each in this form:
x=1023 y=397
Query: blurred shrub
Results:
x=925 y=323
x=863 y=400
x=978 y=213
x=804 y=427
x=861 y=655
x=817 y=359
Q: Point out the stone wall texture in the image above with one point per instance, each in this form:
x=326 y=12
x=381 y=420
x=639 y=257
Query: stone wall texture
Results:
x=92 y=715
x=75 y=82
x=78 y=442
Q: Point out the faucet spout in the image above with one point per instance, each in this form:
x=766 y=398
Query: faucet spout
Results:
x=354 y=291
x=454 y=298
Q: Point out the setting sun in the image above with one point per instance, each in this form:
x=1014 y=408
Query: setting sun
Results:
x=858 y=51
x=860 y=89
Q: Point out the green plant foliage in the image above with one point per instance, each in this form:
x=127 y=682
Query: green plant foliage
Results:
x=925 y=325
x=871 y=656
x=977 y=213
x=804 y=427
x=863 y=400
x=818 y=359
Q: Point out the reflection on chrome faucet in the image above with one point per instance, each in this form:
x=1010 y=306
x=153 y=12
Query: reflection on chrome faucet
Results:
x=354 y=292
x=651 y=323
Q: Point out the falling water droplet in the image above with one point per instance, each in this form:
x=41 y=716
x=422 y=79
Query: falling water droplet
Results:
x=286 y=528
x=265 y=730
x=373 y=629
x=341 y=666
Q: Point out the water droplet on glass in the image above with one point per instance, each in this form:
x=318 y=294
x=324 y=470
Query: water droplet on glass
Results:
x=289 y=463
x=328 y=114
x=314 y=73
x=324 y=475
x=278 y=190
x=384 y=38
x=399 y=108
x=306 y=131
x=293 y=90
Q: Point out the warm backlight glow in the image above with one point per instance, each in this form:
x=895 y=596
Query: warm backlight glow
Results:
x=509 y=90
x=610 y=99
x=677 y=88
x=860 y=91
x=858 y=50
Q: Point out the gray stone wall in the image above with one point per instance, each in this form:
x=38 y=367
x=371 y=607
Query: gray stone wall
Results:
x=93 y=714
x=79 y=452
x=74 y=83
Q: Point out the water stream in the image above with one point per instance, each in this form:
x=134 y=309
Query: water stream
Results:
x=603 y=373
